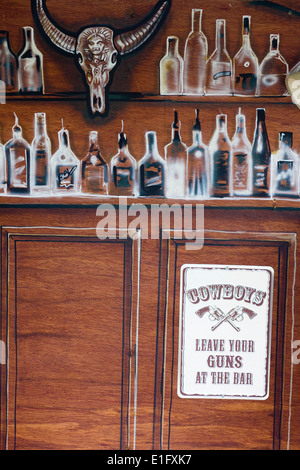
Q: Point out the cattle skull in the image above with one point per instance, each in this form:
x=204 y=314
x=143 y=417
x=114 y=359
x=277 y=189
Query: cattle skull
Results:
x=97 y=48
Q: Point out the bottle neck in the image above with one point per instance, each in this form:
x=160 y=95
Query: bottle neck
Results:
x=172 y=46
x=196 y=20
x=240 y=124
x=274 y=42
x=220 y=35
x=40 y=126
x=4 y=40
x=151 y=143
x=63 y=137
x=197 y=138
x=222 y=124
x=93 y=140
x=28 y=37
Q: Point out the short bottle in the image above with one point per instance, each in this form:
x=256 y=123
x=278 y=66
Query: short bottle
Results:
x=221 y=159
x=8 y=64
x=17 y=151
x=94 y=169
x=195 y=57
x=171 y=69
x=272 y=71
x=241 y=159
x=198 y=164
x=40 y=155
x=152 y=169
x=219 y=65
x=245 y=65
x=261 y=156
x=31 y=78
x=176 y=158
x=64 y=167
x=123 y=169
x=285 y=168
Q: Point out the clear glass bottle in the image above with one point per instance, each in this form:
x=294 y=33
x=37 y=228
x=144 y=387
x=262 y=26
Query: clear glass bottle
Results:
x=17 y=151
x=8 y=64
x=171 y=69
x=123 y=169
x=285 y=168
x=219 y=66
x=272 y=71
x=220 y=150
x=241 y=159
x=195 y=57
x=261 y=156
x=64 y=165
x=245 y=65
x=31 y=78
x=198 y=164
x=94 y=169
x=176 y=158
x=152 y=169
x=40 y=155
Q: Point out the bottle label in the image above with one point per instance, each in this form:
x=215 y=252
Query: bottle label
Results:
x=240 y=173
x=122 y=177
x=260 y=176
x=65 y=176
x=31 y=79
x=41 y=162
x=245 y=82
x=221 y=169
x=285 y=176
x=18 y=168
x=94 y=178
x=153 y=175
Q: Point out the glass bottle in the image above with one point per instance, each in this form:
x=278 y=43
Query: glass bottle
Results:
x=40 y=155
x=8 y=64
x=245 y=65
x=152 y=169
x=195 y=57
x=272 y=71
x=176 y=158
x=241 y=159
x=64 y=166
x=17 y=152
x=285 y=168
x=219 y=66
x=94 y=169
x=198 y=164
x=30 y=59
x=123 y=169
x=261 y=156
x=170 y=69
x=221 y=159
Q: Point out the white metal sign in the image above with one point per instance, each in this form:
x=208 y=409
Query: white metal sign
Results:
x=225 y=331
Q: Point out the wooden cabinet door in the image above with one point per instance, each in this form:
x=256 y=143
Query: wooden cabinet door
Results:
x=69 y=319
x=200 y=423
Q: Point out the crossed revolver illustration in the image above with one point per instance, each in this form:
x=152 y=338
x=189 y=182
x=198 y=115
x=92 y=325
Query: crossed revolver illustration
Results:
x=234 y=315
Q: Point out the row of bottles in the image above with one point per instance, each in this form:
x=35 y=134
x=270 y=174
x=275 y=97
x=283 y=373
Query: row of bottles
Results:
x=196 y=74
x=223 y=168
x=23 y=72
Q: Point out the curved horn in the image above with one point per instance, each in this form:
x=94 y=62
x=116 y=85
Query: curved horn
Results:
x=61 y=39
x=128 y=41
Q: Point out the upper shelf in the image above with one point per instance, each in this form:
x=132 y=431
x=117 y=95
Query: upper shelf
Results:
x=136 y=97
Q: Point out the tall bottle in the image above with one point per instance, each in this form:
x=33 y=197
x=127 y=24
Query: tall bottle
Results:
x=94 y=169
x=31 y=78
x=272 y=71
x=40 y=155
x=221 y=159
x=8 y=64
x=64 y=166
x=176 y=158
x=245 y=65
x=152 y=169
x=171 y=69
x=261 y=156
x=195 y=57
x=241 y=159
x=123 y=169
x=285 y=168
x=198 y=164
x=219 y=66
x=17 y=151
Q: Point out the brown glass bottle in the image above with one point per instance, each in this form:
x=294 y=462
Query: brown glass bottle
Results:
x=261 y=157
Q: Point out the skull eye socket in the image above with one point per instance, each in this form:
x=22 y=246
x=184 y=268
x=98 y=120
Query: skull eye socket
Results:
x=114 y=57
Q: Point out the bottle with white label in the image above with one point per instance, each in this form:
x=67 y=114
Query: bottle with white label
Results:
x=31 y=79
x=17 y=151
x=40 y=155
x=64 y=167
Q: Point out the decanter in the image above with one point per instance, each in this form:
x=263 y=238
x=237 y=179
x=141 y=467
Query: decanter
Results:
x=241 y=159
x=221 y=159
x=40 y=155
x=170 y=69
x=152 y=169
x=285 y=168
x=94 y=169
x=219 y=66
x=30 y=60
x=245 y=65
x=198 y=164
x=123 y=169
x=8 y=64
x=272 y=71
x=195 y=57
